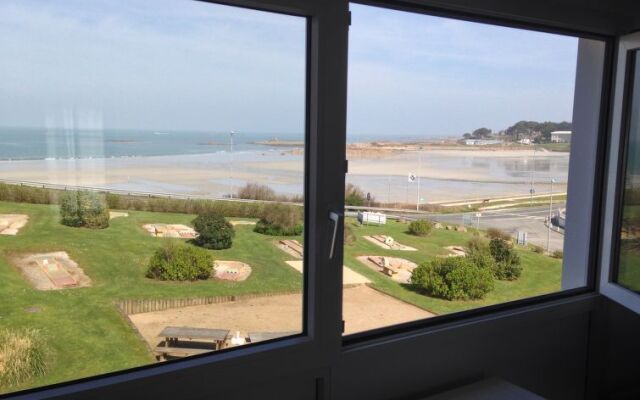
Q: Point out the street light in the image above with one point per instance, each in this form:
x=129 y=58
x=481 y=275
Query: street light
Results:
x=231 y=135
x=550 y=210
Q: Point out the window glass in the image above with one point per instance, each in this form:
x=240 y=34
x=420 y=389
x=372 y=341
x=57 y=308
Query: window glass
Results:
x=459 y=137
x=628 y=272
x=151 y=183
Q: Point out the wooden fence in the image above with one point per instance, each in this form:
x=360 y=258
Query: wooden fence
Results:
x=129 y=307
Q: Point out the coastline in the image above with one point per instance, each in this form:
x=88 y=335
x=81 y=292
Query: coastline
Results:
x=445 y=174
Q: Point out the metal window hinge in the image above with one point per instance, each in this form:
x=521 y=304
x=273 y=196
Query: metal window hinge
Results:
x=342 y=326
x=346 y=166
x=349 y=17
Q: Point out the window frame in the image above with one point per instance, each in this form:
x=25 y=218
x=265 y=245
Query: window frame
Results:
x=616 y=170
x=586 y=174
x=321 y=345
x=318 y=344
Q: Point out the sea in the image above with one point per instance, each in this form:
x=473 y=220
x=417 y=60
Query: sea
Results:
x=43 y=144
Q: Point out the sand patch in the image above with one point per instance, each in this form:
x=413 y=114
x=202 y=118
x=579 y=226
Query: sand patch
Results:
x=171 y=231
x=349 y=276
x=364 y=308
x=51 y=271
x=235 y=271
x=291 y=247
x=388 y=243
x=10 y=224
x=456 y=251
x=398 y=269
x=235 y=223
x=117 y=214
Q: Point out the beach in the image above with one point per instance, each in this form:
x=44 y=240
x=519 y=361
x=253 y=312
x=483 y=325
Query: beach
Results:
x=444 y=174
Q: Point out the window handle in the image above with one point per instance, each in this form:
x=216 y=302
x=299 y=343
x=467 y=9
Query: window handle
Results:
x=335 y=217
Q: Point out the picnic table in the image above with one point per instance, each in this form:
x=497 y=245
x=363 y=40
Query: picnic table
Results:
x=255 y=337
x=175 y=336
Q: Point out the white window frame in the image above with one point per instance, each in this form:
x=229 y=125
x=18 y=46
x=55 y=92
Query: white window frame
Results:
x=615 y=183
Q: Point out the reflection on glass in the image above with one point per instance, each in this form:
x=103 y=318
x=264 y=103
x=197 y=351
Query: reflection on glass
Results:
x=151 y=182
x=628 y=273
x=458 y=148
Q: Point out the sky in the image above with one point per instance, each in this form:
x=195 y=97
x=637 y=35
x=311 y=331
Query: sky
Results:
x=187 y=65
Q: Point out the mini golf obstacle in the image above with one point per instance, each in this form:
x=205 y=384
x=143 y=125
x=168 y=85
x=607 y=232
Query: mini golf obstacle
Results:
x=10 y=224
x=388 y=243
x=235 y=271
x=456 y=251
x=349 y=277
x=170 y=231
x=117 y=214
x=51 y=271
x=291 y=247
x=398 y=269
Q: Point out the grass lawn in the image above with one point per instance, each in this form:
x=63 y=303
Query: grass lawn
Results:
x=85 y=333
x=541 y=274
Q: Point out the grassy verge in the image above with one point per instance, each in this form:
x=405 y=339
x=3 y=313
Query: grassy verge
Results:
x=85 y=333
x=541 y=274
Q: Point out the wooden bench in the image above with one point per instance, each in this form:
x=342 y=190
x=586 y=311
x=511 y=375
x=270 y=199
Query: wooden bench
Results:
x=162 y=351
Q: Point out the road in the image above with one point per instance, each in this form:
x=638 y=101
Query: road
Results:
x=511 y=220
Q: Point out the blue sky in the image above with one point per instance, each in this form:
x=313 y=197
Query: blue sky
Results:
x=180 y=64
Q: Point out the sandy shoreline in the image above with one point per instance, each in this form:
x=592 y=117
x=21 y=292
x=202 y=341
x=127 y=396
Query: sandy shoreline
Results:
x=445 y=174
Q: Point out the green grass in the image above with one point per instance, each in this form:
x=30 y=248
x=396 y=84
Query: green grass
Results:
x=541 y=274
x=85 y=333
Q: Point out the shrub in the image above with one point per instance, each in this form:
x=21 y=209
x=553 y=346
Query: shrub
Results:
x=557 y=254
x=421 y=227
x=179 y=262
x=537 y=249
x=507 y=262
x=280 y=220
x=453 y=278
x=354 y=196
x=477 y=244
x=349 y=236
x=84 y=209
x=214 y=232
x=255 y=191
x=494 y=233
x=22 y=356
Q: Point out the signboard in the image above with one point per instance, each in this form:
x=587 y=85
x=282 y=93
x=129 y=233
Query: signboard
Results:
x=412 y=177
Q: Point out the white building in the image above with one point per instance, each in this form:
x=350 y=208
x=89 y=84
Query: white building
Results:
x=561 y=136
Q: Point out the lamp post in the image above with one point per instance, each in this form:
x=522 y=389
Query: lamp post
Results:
x=419 y=167
x=231 y=135
x=550 y=210
x=532 y=172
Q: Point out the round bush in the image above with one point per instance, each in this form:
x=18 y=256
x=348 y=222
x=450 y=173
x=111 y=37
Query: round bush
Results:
x=214 y=231
x=477 y=244
x=421 y=227
x=180 y=262
x=507 y=262
x=84 y=209
x=453 y=278
x=494 y=233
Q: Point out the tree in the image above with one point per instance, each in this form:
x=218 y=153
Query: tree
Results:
x=214 y=232
x=481 y=133
x=467 y=135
